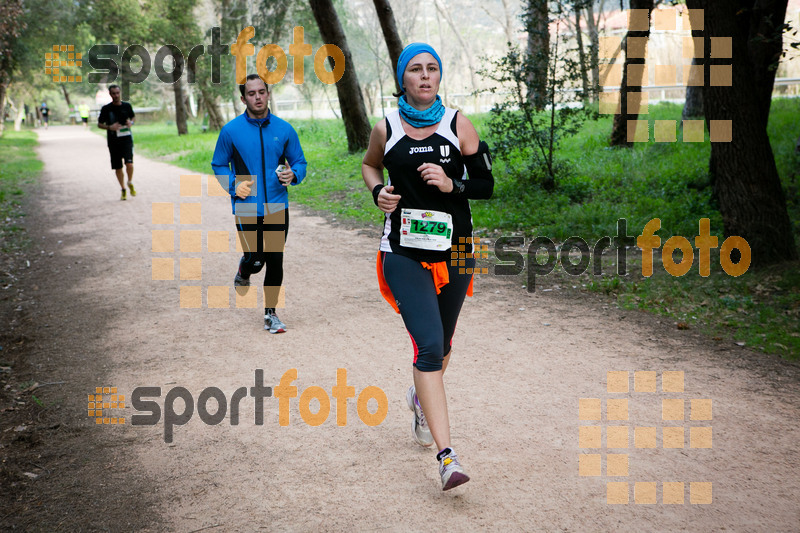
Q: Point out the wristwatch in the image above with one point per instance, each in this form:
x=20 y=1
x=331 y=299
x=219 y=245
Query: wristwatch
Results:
x=458 y=186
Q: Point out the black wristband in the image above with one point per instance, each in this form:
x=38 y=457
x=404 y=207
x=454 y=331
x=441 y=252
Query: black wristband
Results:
x=458 y=186
x=376 y=190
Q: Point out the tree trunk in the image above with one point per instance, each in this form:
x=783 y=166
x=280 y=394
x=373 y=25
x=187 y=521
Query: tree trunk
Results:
x=508 y=27
x=393 y=42
x=237 y=102
x=20 y=116
x=270 y=16
x=766 y=48
x=233 y=18
x=66 y=96
x=380 y=85
x=582 y=58
x=330 y=103
x=351 y=102
x=693 y=106
x=506 y=22
x=594 y=48
x=12 y=23
x=620 y=135
x=445 y=81
x=473 y=71
x=536 y=21
x=3 y=90
x=370 y=100
x=11 y=108
x=180 y=109
x=187 y=102
x=208 y=101
x=5 y=81
x=751 y=198
x=125 y=88
x=215 y=118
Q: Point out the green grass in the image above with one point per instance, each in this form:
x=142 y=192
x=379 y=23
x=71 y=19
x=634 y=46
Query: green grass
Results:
x=759 y=309
x=18 y=173
x=668 y=181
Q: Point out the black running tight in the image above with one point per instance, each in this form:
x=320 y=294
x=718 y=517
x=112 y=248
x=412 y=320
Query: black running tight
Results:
x=429 y=318
x=263 y=245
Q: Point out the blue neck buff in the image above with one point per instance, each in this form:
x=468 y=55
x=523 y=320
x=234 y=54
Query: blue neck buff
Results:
x=420 y=119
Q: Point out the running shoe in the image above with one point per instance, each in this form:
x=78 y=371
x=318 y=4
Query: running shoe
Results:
x=273 y=323
x=124 y=195
x=239 y=280
x=419 y=426
x=450 y=469
x=133 y=191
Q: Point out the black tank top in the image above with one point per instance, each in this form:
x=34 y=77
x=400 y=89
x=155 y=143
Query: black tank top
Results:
x=402 y=156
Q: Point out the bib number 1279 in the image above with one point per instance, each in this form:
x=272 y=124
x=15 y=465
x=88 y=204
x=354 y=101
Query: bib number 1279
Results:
x=430 y=227
x=424 y=229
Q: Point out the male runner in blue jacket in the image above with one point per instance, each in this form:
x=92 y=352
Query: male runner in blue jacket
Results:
x=261 y=156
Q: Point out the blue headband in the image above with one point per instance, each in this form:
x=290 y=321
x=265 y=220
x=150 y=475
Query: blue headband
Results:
x=408 y=53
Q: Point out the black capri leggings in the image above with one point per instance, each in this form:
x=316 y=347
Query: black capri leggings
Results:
x=429 y=318
x=263 y=247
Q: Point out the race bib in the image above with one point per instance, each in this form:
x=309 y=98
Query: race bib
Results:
x=124 y=132
x=427 y=230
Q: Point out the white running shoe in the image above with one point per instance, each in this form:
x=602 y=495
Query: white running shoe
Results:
x=450 y=469
x=419 y=426
x=273 y=323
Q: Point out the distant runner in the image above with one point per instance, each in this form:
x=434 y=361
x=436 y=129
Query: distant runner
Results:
x=45 y=111
x=117 y=118
x=83 y=109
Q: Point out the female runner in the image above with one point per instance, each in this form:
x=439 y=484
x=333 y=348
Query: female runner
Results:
x=435 y=164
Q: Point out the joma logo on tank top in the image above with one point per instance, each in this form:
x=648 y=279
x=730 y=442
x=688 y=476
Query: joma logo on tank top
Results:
x=420 y=149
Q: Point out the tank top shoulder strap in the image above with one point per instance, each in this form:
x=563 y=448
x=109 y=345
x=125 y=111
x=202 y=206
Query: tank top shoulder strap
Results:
x=394 y=130
x=447 y=126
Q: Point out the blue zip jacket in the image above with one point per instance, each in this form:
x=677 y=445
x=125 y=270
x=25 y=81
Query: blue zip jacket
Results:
x=250 y=147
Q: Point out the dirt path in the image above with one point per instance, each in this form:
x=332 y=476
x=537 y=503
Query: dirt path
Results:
x=521 y=365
